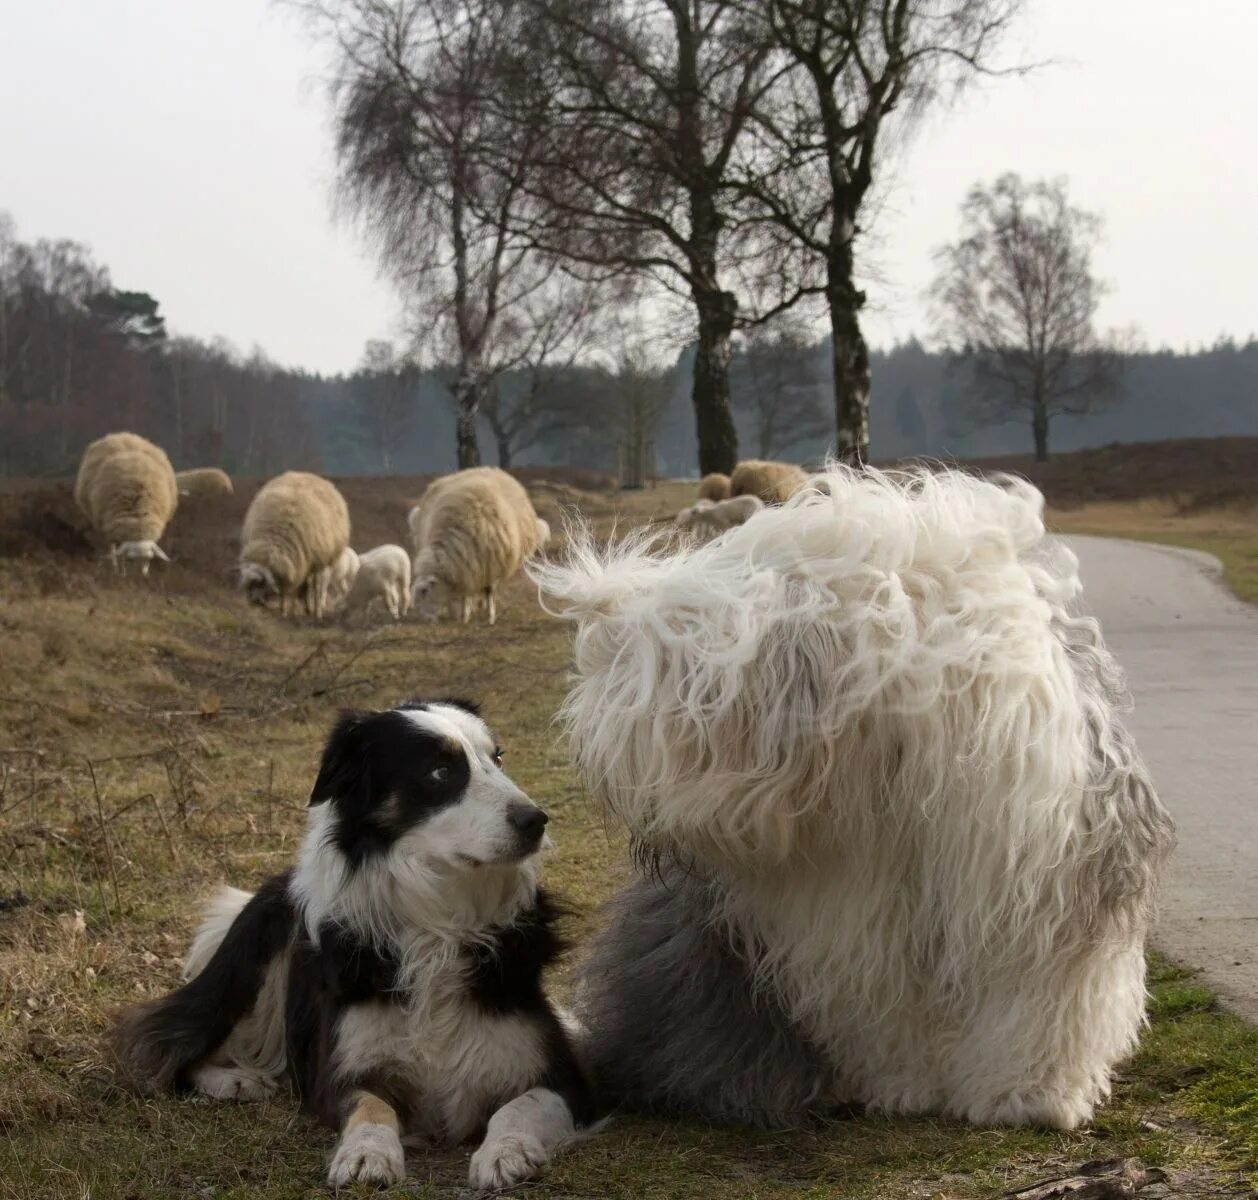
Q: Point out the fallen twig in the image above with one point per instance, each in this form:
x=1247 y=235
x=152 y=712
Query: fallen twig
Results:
x=104 y=831
x=161 y=816
x=1099 y=1179
x=301 y=666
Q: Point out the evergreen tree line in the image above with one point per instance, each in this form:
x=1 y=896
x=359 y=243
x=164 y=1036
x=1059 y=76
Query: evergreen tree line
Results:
x=80 y=358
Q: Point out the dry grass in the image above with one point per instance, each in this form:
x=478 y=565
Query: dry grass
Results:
x=1229 y=532
x=158 y=738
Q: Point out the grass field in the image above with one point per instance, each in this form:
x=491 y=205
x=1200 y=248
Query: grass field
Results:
x=158 y=738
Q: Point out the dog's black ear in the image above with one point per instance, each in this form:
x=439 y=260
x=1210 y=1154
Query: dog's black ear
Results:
x=344 y=764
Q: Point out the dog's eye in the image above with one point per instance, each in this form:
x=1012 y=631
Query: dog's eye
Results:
x=439 y=774
x=498 y=755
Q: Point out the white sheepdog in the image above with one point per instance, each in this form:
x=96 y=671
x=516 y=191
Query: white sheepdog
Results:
x=895 y=846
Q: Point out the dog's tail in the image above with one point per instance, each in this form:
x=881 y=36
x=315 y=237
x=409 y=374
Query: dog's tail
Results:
x=156 y=1044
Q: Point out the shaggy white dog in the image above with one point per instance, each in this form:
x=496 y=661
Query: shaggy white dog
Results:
x=901 y=850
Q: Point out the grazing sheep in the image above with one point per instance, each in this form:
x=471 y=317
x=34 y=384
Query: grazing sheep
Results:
x=472 y=531
x=294 y=531
x=383 y=574
x=714 y=486
x=706 y=520
x=335 y=581
x=126 y=489
x=203 y=482
x=543 y=534
x=773 y=482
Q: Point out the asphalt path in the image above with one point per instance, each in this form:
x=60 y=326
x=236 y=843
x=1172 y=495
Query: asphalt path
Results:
x=1190 y=651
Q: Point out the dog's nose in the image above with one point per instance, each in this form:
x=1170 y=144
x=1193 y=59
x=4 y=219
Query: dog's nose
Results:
x=528 y=819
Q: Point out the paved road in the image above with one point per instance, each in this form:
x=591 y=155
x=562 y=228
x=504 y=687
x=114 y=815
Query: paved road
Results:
x=1190 y=650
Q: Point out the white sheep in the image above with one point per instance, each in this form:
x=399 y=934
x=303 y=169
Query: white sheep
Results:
x=773 y=482
x=126 y=489
x=706 y=520
x=472 y=531
x=714 y=486
x=335 y=581
x=383 y=574
x=203 y=482
x=294 y=531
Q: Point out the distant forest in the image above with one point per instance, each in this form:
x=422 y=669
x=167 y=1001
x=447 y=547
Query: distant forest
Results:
x=79 y=358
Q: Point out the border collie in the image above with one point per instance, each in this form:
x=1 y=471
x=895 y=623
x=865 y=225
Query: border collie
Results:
x=394 y=975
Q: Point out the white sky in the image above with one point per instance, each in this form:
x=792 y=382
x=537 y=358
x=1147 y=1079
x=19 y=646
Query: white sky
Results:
x=187 y=144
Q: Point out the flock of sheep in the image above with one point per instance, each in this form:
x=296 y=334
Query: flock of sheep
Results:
x=471 y=532
x=729 y=500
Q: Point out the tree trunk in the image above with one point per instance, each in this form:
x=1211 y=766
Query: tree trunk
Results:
x=468 y=392
x=714 y=422
x=1039 y=427
x=850 y=354
x=504 y=449
x=502 y=437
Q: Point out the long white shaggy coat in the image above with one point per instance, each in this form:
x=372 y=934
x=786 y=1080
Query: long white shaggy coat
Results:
x=884 y=747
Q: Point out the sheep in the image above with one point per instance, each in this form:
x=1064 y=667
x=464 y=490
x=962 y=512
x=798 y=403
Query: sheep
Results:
x=336 y=581
x=706 y=519
x=203 y=482
x=773 y=482
x=472 y=530
x=126 y=489
x=294 y=531
x=385 y=574
x=543 y=534
x=686 y=518
x=714 y=486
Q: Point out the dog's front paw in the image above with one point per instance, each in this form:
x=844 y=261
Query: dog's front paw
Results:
x=504 y=1162
x=232 y=1083
x=369 y=1154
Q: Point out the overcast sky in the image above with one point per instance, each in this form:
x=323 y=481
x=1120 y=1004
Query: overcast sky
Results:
x=187 y=144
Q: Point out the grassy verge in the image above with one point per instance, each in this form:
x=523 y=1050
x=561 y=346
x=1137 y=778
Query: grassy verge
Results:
x=1230 y=534
x=154 y=744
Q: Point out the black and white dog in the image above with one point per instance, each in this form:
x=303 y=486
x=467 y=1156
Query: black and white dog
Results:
x=394 y=975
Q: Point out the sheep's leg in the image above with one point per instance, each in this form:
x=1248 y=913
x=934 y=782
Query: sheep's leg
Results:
x=490 y=606
x=391 y=601
x=465 y=608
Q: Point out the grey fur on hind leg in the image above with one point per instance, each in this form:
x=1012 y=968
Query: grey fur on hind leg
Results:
x=670 y=1023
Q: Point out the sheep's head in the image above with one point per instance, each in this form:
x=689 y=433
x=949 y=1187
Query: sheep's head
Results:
x=428 y=595
x=687 y=518
x=142 y=551
x=258 y=583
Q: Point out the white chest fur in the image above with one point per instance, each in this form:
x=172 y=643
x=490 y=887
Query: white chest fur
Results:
x=462 y=1061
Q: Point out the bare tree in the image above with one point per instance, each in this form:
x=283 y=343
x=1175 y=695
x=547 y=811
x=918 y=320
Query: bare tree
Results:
x=785 y=389
x=636 y=396
x=418 y=108
x=1016 y=299
x=646 y=101
x=818 y=146
x=544 y=336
